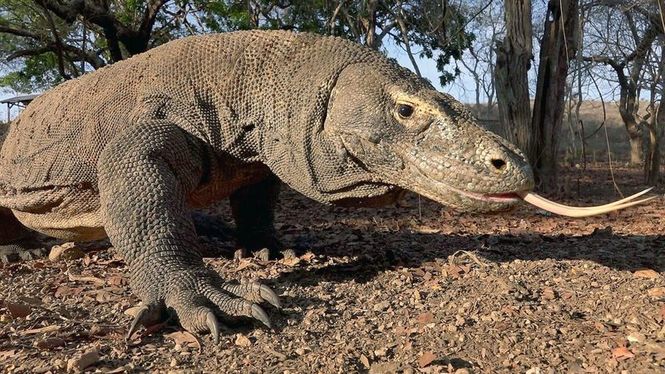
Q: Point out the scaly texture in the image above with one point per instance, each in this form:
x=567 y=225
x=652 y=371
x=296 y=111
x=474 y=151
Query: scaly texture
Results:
x=129 y=150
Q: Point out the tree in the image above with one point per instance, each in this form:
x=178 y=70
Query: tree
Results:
x=60 y=39
x=513 y=61
x=557 y=48
x=640 y=24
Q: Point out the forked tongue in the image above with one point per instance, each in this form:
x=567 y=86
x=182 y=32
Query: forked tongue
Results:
x=572 y=211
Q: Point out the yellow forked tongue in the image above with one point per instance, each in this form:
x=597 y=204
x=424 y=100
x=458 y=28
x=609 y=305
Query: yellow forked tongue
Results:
x=572 y=211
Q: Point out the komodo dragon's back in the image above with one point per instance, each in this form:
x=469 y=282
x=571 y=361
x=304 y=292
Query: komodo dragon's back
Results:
x=57 y=140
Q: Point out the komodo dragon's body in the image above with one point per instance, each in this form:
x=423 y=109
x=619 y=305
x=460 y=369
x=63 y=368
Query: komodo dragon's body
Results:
x=127 y=152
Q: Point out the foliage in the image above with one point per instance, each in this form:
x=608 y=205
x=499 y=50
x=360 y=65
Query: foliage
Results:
x=43 y=42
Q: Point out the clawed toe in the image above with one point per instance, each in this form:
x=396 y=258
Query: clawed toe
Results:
x=260 y=314
x=145 y=316
x=213 y=326
x=254 y=291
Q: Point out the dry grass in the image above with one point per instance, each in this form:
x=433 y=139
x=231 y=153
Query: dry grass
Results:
x=593 y=118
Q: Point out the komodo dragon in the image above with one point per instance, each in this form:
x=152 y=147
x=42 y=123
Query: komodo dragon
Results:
x=129 y=150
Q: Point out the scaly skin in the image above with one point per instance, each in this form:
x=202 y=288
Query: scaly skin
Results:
x=129 y=150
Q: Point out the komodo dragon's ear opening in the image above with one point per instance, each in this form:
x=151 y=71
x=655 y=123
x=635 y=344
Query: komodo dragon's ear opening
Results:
x=572 y=211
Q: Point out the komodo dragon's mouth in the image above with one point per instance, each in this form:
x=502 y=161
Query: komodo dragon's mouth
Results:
x=551 y=206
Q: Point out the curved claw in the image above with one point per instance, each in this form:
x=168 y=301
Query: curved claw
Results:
x=137 y=322
x=270 y=296
x=260 y=314
x=213 y=326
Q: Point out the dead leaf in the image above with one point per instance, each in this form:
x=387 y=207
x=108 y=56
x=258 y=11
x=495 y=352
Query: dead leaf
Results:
x=50 y=343
x=7 y=354
x=64 y=291
x=242 y=341
x=133 y=311
x=426 y=359
x=656 y=292
x=116 y=280
x=19 y=310
x=41 y=330
x=548 y=294
x=66 y=251
x=646 y=273
x=103 y=296
x=89 y=278
x=184 y=339
x=622 y=353
x=365 y=361
x=292 y=261
x=308 y=256
x=425 y=318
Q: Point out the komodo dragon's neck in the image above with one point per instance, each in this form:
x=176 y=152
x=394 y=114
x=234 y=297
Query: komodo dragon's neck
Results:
x=270 y=106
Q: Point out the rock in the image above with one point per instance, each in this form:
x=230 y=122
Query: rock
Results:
x=383 y=368
x=87 y=359
x=243 y=341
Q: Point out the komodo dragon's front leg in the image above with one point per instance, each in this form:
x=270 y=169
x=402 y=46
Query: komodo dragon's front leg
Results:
x=145 y=175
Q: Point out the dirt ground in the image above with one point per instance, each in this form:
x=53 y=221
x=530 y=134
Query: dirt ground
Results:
x=407 y=289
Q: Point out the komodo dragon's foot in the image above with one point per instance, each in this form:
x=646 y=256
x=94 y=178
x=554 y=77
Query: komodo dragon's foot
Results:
x=200 y=298
x=22 y=250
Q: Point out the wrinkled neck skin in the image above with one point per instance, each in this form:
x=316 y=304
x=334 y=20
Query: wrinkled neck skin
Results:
x=289 y=136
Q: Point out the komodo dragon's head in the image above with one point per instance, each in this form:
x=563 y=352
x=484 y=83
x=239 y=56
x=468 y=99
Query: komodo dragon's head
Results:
x=405 y=133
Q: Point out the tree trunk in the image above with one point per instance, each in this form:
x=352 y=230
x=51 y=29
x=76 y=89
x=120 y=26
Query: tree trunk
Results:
x=513 y=56
x=628 y=109
x=652 y=161
x=557 y=48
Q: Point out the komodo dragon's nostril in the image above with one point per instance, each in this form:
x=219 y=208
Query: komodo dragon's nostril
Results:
x=498 y=163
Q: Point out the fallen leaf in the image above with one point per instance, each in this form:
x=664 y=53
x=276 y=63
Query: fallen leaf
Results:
x=425 y=318
x=365 y=361
x=291 y=261
x=7 y=354
x=622 y=353
x=646 y=273
x=548 y=294
x=115 y=280
x=18 y=310
x=184 y=339
x=50 y=343
x=64 y=291
x=82 y=278
x=104 y=296
x=307 y=256
x=133 y=311
x=66 y=251
x=41 y=330
x=426 y=359
x=636 y=337
x=656 y=292
x=87 y=359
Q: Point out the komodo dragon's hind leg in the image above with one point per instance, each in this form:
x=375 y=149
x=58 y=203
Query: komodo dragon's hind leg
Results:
x=253 y=209
x=16 y=241
x=145 y=175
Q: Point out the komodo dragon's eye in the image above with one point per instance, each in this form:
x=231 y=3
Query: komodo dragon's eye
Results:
x=404 y=110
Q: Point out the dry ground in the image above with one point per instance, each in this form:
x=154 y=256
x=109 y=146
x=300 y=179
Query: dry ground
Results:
x=387 y=290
